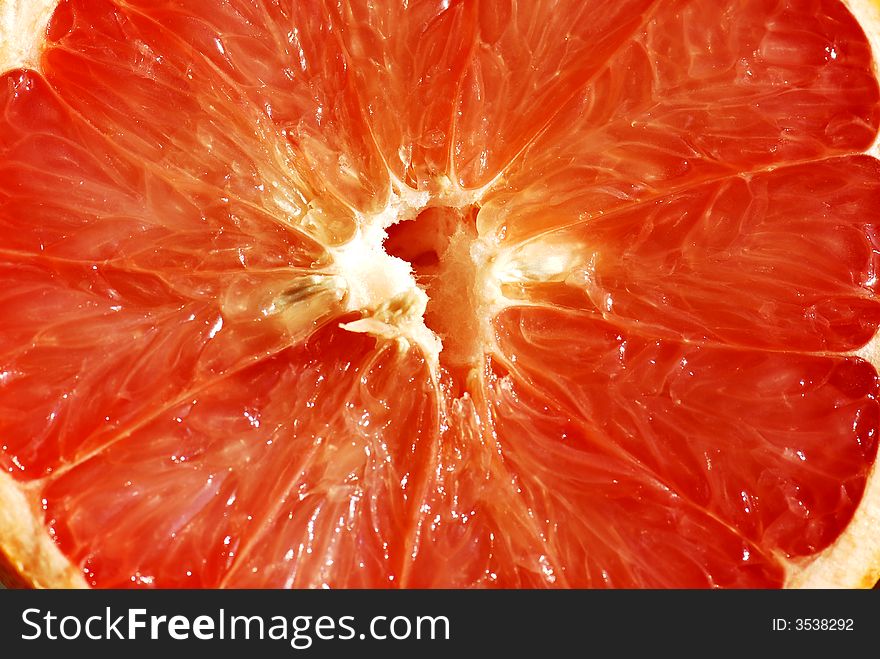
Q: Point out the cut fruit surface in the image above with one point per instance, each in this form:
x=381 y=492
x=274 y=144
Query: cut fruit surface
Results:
x=439 y=294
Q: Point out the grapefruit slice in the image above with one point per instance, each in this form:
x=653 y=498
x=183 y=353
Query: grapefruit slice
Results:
x=439 y=294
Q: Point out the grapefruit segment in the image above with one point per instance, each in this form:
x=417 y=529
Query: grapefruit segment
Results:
x=781 y=259
x=470 y=515
x=289 y=64
x=350 y=517
x=526 y=63
x=68 y=192
x=198 y=127
x=410 y=66
x=62 y=344
x=703 y=91
x=733 y=442
x=281 y=474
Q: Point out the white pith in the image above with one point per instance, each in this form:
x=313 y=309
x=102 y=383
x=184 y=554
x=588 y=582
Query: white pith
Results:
x=22 y=26
x=384 y=290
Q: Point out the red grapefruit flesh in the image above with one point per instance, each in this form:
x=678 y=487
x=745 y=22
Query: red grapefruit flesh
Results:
x=646 y=230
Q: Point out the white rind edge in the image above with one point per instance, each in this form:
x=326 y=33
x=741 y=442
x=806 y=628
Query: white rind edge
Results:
x=853 y=561
x=27 y=546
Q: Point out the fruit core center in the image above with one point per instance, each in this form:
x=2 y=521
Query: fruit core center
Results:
x=438 y=245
